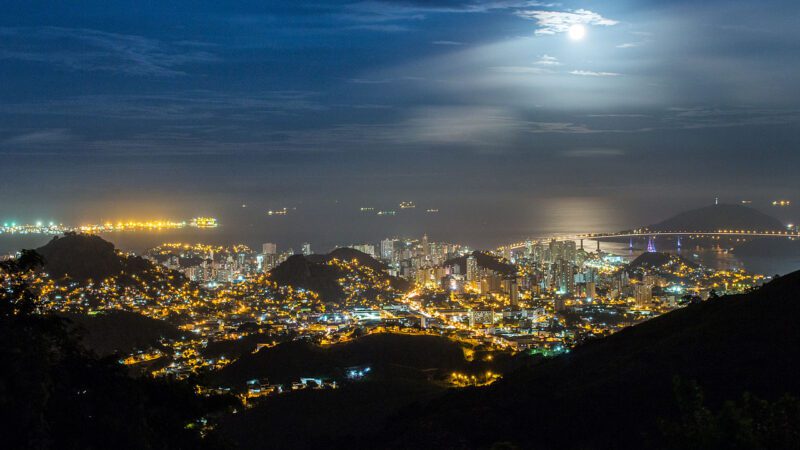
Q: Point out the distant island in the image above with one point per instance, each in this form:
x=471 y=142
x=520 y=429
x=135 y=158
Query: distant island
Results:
x=719 y=217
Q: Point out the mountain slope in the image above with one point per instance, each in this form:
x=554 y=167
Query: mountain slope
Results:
x=614 y=391
x=120 y=331
x=484 y=261
x=650 y=260
x=719 y=217
x=386 y=353
x=320 y=273
x=84 y=257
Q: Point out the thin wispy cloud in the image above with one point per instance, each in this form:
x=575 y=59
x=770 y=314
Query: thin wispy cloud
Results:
x=553 y=22
x=590 y=73
x=521 y=70
x=388 y=11
x=593 y=153
x=92 y=50
x=386 y=28
x=177 y=106
x=547 y=60
x=40 y=137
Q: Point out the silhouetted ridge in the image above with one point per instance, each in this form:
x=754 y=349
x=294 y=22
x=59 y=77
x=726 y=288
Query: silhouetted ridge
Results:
x=83 y=257
x=484 y=260
x=122 y=332
x=349 y=254
x=719 y=217
x=297 y=271
x=387 y=354
x=314 y=273
x=728 y=345
x=658 y=259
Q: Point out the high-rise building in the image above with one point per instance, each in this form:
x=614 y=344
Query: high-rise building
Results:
x=570 y=251
x=591 y=290
x=365 y=248
x=472 y=268
x=307 y=249
x=511 y=289
x=539 y=253
x=643 y=295
x=388 y=249
x=269 y=248
x=555 y=251
x=564 y=277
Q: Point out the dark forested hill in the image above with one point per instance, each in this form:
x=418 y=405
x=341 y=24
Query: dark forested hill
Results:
x=617 y=392
x=84 y=257
x=118 y=331
x=613 y=393
x=289 y=361
x=315 y=273
x=485 y=261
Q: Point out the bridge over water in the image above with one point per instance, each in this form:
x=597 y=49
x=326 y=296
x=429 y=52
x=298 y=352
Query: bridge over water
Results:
x=652 y=234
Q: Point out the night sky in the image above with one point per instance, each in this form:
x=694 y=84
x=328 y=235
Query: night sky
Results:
x=146 y=109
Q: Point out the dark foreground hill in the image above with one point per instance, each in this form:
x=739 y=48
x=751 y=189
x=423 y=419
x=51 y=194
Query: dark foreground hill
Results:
x=387 y=354
x=122 y=332
x=614 y=392
x=403 y=368
x=719 y=217
x=54 y=395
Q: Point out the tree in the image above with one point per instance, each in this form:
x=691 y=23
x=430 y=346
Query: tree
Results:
x=750 y=423
x=53 y=394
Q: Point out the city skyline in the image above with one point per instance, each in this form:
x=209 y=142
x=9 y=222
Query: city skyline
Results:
x=399 y=224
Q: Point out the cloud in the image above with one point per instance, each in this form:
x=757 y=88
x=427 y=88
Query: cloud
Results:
x=547 y=60
x=589 y=73
x=383 y=80
x=552 y=22
x=193 y=105
x=521 y=70
x=447 y=43
x=40 y=137
x=391 y=11
x=387 y=28
x=92 y=50
x=630 y=45
x=593 y=153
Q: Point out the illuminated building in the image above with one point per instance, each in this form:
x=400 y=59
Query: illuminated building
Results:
x=472 y=268
x=564 y=277
x=643 y=295
x=591 y=290
x=388 y=249
x=365 y=248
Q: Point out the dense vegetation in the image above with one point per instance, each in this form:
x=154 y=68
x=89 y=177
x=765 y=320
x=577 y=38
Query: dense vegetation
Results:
x=55 y=394
x=617 y=391
x=484 y=261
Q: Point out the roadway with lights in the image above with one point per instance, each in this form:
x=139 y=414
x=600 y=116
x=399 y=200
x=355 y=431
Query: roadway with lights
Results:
x=648 y=233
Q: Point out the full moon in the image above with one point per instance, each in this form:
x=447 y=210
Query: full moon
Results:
x=577 y=32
